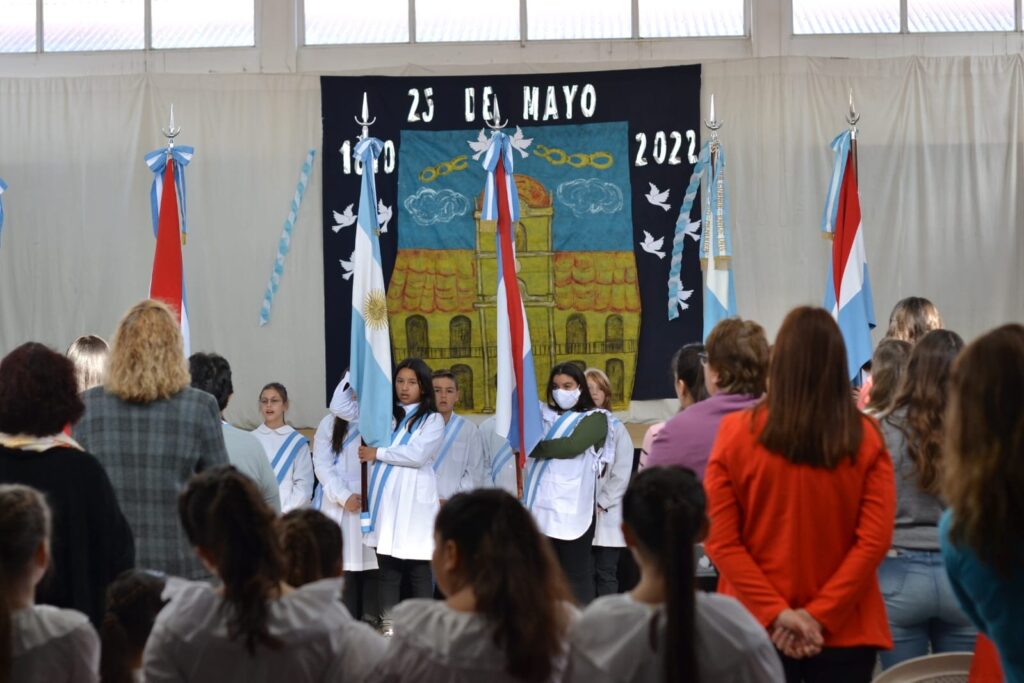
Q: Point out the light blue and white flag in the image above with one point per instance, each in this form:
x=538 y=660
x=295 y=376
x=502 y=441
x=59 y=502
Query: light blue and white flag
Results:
x=370 y=356
x=3 y=188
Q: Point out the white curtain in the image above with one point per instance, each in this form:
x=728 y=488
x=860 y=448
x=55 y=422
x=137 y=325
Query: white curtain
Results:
x=940 y=173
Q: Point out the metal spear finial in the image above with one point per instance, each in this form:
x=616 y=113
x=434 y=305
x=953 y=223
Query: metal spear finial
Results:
x=496 y=123
x=713 y=124
x=852 y=117
x=171 y=131
x=366 y=121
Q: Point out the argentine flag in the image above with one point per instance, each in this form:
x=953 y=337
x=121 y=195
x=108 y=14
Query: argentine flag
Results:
x=848 y=288
x=370 y=356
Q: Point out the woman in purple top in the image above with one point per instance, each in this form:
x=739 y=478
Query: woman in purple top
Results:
x=735 y=372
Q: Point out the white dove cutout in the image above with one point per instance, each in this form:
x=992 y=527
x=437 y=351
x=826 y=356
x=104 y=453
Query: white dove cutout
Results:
x=682 y=297
x=348 y=266
x=651 y=245
x=479 y=145
x=344 y=219
x=657 y=197
x=520 y=143
x=383 y=215
x=693 y=231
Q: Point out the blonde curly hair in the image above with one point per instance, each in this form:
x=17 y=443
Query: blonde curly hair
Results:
x=147 y=358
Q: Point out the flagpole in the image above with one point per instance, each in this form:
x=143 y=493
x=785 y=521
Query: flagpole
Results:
x=171 y=132
x=852 y=117
x=364 y=498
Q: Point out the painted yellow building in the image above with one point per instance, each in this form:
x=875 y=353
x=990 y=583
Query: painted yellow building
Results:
x=582 y=307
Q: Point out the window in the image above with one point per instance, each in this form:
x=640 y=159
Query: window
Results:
x=466 y=20
x=959 y=15
x=680 y=18
x=566 y=19
x=460 y=336
x=77 y=25
x=417 y=341
x=616 y=371
x=201 y=23
x=613 y=334
x=342 y=22
x=842 y=16
x=576 y=334
x=18 y=28
x=464 y=378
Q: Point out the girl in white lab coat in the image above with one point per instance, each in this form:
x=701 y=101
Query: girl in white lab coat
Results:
x=402 y=488
x=287 y=450
x=665 y=629
x=336 y=463
x=611 y=487
x=561 y=475
x=506 y=615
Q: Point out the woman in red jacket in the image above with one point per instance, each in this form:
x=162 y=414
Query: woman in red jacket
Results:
x=802 y=503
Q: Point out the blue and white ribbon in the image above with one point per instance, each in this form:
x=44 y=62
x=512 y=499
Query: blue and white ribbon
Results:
x=451 y=432
x=675 y=280
x=284 y=244
x=379 y=477
x=716 y=237
x=841 y=146
x=563 y=427
x=500 y=149
x=501 y=458
x=157 y=162
x=3 y=188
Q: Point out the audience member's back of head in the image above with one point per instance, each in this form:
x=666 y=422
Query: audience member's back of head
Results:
x=912 y=318
x=89 y=354
x=312 y=546
x=887 y=366
x=923 y=394
x=737 y=357
x=232 y=529
x=38 y=391
x=499 y=553
x=812 y=418
x=133 y=601
x=688 y=373
x=984 y=456
x=147 y=361
x=664 y=514
x=212 y=373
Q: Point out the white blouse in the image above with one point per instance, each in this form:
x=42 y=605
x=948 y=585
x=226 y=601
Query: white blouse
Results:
x=612 y=487
x=611 y=643
x=462 y=466
x=340 y=477
x=404 y=527
x=435 y=643
x=499 y=462
x=297 y=486
x=53 y=645
x=320 y=639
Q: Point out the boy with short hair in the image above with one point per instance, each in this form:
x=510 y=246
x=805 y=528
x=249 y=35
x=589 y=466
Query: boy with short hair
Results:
x=458 y=464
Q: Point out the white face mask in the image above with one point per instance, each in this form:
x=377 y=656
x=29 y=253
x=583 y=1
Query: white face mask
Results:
x=566 y=399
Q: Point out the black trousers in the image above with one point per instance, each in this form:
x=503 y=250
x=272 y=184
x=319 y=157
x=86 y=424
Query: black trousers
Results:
x=606 y=569
x=577 y=560
x=360 y=595
x=832 y=665
x=393 y=570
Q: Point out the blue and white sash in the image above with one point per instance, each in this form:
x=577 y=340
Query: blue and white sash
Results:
x=501 y=459
x=318 y=494
x=451 y=432
x=379 y=477
x=281 y=462
x=535 y=471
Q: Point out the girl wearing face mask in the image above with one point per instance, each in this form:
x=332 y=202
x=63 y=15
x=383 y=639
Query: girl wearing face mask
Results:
x=402 y=492
x=561 y=474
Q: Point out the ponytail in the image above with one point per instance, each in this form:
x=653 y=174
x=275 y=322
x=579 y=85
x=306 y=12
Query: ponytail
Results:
x=133 y=601
x=222 y=513
x=24 y=525
x=516 y=580
x=664 y=507
x=338 y=433
x=311 y=544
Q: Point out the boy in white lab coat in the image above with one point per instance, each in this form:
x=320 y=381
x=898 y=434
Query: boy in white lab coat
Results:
x=459 y=463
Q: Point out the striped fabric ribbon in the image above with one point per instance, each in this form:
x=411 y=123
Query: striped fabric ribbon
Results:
x=157 y=162
x=451 y=432
x=284 y=244
x=501 y=458
x=380 y=475
x=563 y=427
x=500 y=150
x=3 y=188
x=675 y=271
x=841 y=146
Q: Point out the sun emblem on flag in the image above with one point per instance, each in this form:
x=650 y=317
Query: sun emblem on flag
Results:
x=375 y=309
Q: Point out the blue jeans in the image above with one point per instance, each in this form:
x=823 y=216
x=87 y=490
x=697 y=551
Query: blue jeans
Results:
x=922 y=608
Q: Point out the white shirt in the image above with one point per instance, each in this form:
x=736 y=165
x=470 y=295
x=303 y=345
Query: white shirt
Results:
x=500 y=474
x=611 y=643
x=340 y=477
x=435 y=643
x=564 y=503
x=297 y=486
x=612 y=487
x=320 y=640
x=53 y=645
x=462 y=466
x=408 y=504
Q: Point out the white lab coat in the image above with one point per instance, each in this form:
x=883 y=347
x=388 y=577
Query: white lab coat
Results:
x=339 y=475
x=494 y=446
x=405 y=521
x=297 y=486
x=462 y=468
x=612 y=487
x=563 y=506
